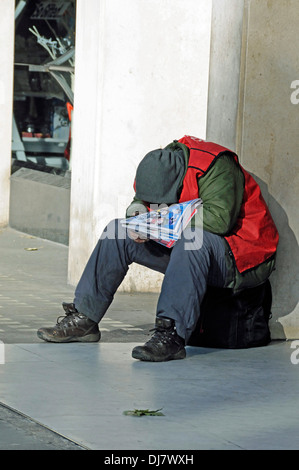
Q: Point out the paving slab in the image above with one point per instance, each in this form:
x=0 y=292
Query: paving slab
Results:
x=213 y=399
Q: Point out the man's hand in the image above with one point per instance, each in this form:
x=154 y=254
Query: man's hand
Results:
x=137 y=237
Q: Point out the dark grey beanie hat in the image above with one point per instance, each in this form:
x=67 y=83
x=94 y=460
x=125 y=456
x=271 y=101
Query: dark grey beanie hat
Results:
x=160 y=175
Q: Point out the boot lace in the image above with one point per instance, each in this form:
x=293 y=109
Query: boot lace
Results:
x=69 y=320
x=163 y=336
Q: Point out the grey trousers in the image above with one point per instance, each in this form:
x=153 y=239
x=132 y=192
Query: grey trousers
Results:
x=196 y=261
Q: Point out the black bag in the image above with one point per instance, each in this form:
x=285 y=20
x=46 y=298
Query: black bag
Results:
x=229 y=320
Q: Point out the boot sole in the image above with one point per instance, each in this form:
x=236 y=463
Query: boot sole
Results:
x=146 y=356
x=92 y=338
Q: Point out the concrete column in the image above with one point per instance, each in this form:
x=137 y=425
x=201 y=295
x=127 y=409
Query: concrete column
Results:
x=256 y=114
x=141 y=81
x=225 y=72
x=6 y=102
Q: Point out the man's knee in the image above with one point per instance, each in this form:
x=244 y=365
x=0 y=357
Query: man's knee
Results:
x=191 y=240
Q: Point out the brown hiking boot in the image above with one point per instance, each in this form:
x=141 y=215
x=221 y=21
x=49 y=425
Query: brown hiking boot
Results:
x=164 y=345
x=74 y=326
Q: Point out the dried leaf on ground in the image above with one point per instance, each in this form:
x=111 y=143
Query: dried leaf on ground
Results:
x=146 y=412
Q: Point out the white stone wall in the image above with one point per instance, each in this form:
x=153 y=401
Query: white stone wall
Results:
x=141 y=81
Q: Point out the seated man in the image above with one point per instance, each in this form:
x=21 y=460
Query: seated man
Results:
x=238 y=242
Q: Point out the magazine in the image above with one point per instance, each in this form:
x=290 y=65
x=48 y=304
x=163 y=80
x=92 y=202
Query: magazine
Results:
x=164 y=225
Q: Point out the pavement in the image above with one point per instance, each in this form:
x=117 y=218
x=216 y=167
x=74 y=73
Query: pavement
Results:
x=75 y=396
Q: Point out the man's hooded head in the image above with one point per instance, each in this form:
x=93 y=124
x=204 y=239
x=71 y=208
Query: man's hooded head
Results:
x=160 y=175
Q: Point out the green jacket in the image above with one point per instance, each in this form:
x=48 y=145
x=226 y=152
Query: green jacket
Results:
x=221 y=190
